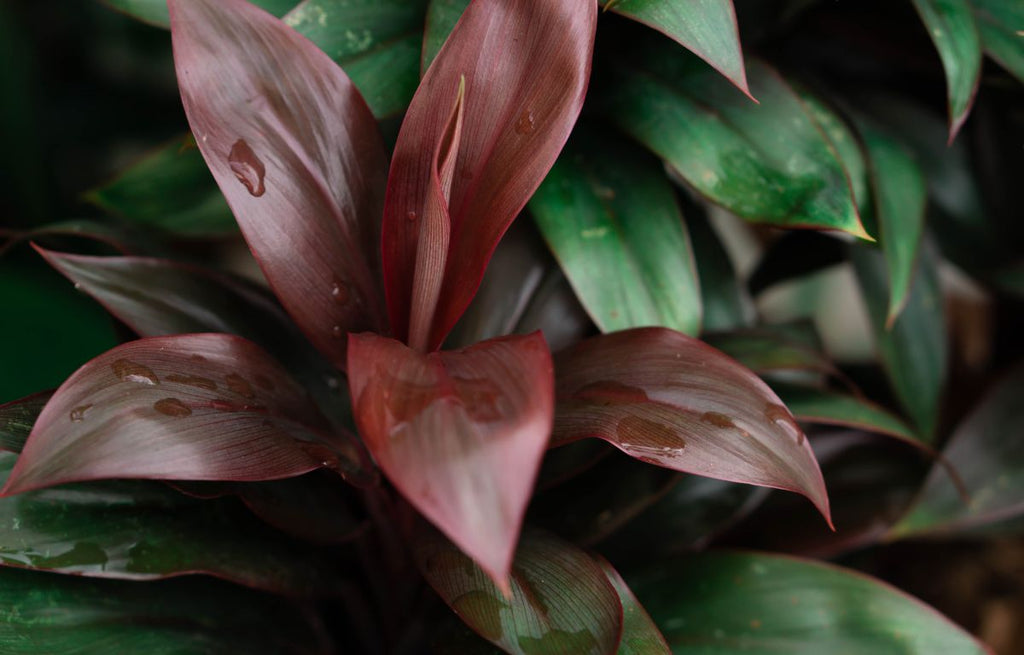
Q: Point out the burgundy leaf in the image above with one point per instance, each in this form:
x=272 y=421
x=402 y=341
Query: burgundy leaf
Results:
x=190 y=407
x=297 y=154
x=517 y=70
x=460 y=433
x=668 y=399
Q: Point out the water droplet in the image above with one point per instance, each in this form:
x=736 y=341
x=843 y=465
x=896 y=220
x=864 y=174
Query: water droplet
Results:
x=247 y=167
x=331 y=382
x=525 y=123
x=239 y=385
x=197 y=358
x=221 y=405
x=339 y=292
x=779 y=414
x=192 y=381
x=610 y=392
x=172 y=407
x=263 y=382
x=337 y=332
x=716 y=419
x=411 y=216
x=651 y=437
x=128 y=371
x=78 y=414
x=78 y=286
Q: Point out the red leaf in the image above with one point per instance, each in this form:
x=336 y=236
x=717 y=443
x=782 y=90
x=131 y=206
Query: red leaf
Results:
x=526 y=66
x=671 y=400
x=460 y=433
x=190 y=407
x=297 y=154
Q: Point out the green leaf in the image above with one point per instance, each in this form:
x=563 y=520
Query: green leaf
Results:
x=989 y=456
x=639 y=634
x=170 y=189
x=844 y=143
x=764 y=350
x=812 y=405
x=1000 y=23
x=144 y=531
x=376 y=42
x=767 y=162
x=560 y=600
x=70 y=615
x=441 y=18
x=913 y=349
x=154 y=12
x=950 y=25
x=900 y=192
x=706 y=27
x=726 y=303
x=727 y=603
x=610 y=217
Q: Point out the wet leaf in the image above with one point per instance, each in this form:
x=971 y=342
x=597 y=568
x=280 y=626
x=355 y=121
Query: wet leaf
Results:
x=913 y=349
x=190 y=407
x=610 y=217
x=460 y=433
x=516 y=72
x=560 y=600
x=999 y=24
x=988 y=455
x=297 y=154
x=154 y=12
x=17 y=418
x=639 y=634
x=768 y=162
x=670 y=400
x=723 y=603
x=706 y=27
x=951 y=27
x=146 y=531
x=61 y=614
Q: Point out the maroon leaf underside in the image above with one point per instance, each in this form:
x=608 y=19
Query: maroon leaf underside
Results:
x=526 y=66
x=189 y=407
x=460 y=433
x=671 y=400
x=298 y=156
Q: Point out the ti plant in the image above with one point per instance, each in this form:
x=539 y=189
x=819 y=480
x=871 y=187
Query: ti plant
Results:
x=323 y=468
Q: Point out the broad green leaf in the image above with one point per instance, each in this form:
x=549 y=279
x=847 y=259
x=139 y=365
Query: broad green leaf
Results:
x=706 y=27
x=71 y=615
x=812 y=405
x=913 y=348
x=726 y=303
x=559 y=600
x=154 y=12
x=17 y=418
x=764 y=350
x=639 y=634
x=950 y=24
x=1001 y=23
x=989 y=455
x=441 y=18
x=170 y=189
x=727 y=603
x=767 y=162
x=900 y=191
x=844 y=143
x=376 y=42
x=145 y=530
x=610 y=217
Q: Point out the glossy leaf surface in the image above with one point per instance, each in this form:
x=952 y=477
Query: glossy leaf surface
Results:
x=297 y=154
x=673 y=401
x=999 y=24
x=951 y=27
x=705 y=27
x=518 y=71
x=65 y=615
x=900 y=193
x=145 y=531
x=170 y=189
x=724 y=603
x=639 y=634
x=191 y=407
x=767 y=162
x=913 y=350
x=154 y=12
x=376 y=42
x=989 y=456
x=460 y=433
x=610 y=217
x=17 y=418
x=561 y=601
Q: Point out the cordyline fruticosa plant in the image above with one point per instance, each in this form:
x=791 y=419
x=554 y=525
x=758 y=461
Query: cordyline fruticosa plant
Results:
x=409 y=443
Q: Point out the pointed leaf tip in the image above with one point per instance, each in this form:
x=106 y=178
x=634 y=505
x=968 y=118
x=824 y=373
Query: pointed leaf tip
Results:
x=460 y=434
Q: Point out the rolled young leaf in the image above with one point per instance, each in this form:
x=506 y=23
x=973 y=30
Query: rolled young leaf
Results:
x=559 y=601
x=525 y=67
x=671 y=400
x=460 y=433
x=297 y=154
x=190 y=407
